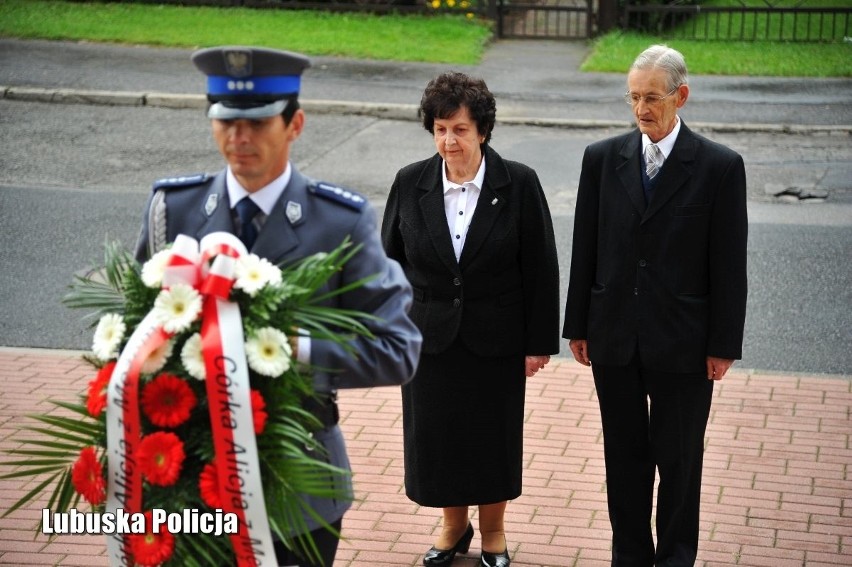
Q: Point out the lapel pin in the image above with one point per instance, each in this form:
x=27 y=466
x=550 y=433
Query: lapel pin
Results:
x=210 y=205
x=293 y=212
x=494 y=202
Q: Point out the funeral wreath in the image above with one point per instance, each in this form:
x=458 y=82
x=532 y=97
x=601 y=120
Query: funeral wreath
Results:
x=191 y=444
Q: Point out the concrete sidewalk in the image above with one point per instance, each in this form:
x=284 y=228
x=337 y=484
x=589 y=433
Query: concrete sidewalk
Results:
x=777 y=482
x=536 y=83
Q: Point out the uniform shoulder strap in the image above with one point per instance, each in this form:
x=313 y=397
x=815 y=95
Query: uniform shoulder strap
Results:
x=340 y=195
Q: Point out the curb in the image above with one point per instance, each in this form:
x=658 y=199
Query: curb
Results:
x=387 y=111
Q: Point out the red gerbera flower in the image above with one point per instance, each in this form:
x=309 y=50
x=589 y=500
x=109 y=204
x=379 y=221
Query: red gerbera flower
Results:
x=150 y=548
x=98 y=390
x=160 y=455
x=208 y=486
x=258 y=413
x=88 y=478
x=167 y=400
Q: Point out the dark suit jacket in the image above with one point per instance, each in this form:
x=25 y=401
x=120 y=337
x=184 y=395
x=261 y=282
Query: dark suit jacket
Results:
x=502 y=296
x=667 y=278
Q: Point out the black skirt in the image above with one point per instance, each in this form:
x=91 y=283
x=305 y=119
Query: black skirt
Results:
x=463 y=419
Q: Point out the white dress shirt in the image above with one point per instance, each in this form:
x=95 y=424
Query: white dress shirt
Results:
x=666 y=144
x=265 y=197
x=460 y=204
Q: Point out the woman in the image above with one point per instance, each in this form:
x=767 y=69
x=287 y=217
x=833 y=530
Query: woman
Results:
x=473 y=233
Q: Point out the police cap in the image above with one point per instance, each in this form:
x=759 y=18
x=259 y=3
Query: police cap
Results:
x=249 y=82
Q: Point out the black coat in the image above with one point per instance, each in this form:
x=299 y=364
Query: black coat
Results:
x=502 y=296
x=668 y=278
x=463 y=413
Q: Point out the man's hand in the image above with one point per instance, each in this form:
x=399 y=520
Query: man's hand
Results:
x=580 y=348
x=717 y=367
x=535 y=363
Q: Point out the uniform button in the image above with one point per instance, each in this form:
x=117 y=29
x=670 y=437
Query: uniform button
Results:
x=642 y=263
x=456 y=281
x=635 y=291
x=456 y=302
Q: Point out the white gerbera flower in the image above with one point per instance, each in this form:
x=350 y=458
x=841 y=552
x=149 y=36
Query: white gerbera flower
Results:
x=157 y=359
x=155 y=267
x=177 y=308
x=268 y=352
x=254 y=273
x=192 y=358
x=108 y=336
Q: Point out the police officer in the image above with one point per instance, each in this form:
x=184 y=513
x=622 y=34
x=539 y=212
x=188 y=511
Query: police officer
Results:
x=284 y=216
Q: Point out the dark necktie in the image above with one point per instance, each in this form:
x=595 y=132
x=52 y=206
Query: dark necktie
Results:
x=246 y=211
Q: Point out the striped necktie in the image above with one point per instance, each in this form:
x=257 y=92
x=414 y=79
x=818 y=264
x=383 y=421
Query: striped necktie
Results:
x=653 y=160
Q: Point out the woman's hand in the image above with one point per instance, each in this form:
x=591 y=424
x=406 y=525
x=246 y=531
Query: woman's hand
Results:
x=535 y=363
x=580 y=350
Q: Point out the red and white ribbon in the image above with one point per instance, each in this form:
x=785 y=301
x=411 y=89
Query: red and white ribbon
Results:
x=228 y=393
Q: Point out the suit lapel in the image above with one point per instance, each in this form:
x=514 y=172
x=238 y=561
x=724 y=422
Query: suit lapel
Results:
x=488 y=206
x=434 y=216
x=277 y=237
x=630 y=172
x=215 y=209
x=675 y=172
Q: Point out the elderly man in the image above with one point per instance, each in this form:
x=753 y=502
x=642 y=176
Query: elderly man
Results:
x=656 y=305
x=283 y=216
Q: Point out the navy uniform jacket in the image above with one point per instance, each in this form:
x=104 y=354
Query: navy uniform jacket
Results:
x=327 y=217
x=502 y=296
x=666 y=279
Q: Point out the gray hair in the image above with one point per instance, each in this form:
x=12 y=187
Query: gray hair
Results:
x=669 y=60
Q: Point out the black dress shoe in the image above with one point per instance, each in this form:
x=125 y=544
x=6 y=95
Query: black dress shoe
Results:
x=495 y=559
x=445 y=556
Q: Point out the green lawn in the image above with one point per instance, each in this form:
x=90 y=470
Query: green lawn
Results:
x=440 y=38
x=615 y=52
x=720 y=55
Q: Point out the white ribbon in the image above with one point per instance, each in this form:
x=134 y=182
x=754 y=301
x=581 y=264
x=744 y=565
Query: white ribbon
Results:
x=229 y=399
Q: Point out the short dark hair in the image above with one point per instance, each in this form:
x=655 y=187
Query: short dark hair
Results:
x=448 y=92
x=290 y=110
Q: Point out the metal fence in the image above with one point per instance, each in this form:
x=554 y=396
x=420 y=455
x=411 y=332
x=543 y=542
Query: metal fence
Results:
x=562 y=19
x=801 y=24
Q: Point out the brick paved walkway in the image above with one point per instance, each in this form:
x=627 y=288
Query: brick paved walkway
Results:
x=777 y=484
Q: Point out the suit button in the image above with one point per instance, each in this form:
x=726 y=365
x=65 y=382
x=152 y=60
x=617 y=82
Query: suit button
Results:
x=642 y=263
x=635 y=291
x=456 y=281
x=456 y=302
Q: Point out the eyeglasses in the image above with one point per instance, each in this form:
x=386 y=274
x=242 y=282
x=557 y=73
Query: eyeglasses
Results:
x=651 y=100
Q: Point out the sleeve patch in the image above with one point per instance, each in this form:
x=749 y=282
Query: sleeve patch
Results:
x=179 y=182
x=340 y=195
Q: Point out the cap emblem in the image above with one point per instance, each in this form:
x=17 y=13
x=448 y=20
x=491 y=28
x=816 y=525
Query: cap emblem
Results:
x=238 y=63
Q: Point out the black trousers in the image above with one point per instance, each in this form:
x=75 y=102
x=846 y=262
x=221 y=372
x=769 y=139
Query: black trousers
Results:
x=325 y=541
x=653 y=421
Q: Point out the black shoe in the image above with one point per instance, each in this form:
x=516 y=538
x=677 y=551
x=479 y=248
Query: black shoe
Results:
x=495 y=560
x=445 y=556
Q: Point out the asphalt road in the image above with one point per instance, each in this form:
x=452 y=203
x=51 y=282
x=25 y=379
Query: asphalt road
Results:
x=74 y=176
